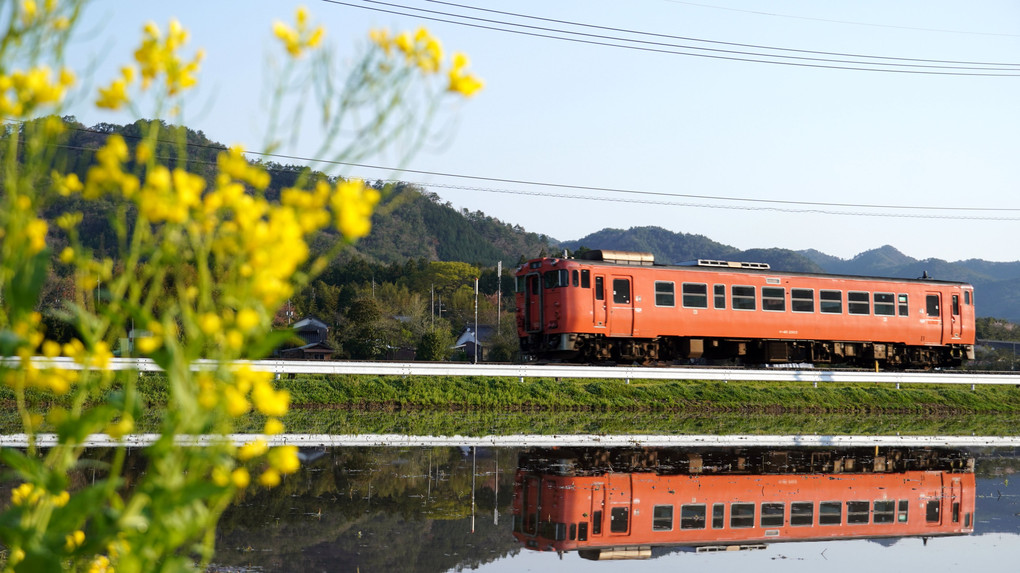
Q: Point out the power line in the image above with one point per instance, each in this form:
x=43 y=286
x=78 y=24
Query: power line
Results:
x=833 y=21
x=687 y=38
x=642 y=197
x=719 y=54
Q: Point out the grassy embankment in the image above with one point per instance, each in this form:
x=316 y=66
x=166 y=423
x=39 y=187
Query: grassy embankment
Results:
x=480 y=406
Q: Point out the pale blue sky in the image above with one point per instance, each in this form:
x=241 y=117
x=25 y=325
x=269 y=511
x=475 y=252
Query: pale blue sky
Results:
x=586 y=115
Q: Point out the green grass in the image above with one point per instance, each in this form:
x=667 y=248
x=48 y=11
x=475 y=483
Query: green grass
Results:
x=483 y=406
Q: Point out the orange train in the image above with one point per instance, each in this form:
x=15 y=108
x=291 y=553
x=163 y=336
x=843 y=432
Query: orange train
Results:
x=622 y=515
x=612 y=306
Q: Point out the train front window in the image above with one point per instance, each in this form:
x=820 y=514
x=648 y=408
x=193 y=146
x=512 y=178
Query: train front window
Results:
x=575 y=278
x=743 y=297
x=831 y=301
x=665 y=293
x=695 y=295
x=554 y=279
x=585 y=278
x=885 y=304
x=773 y=299
x=932 y=511
x=932 y=304
x=858 y=302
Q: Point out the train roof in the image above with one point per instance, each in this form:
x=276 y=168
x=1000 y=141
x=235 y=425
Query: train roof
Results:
x=643 y=259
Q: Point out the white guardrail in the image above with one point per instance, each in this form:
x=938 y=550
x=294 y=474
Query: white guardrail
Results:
x=522 y=371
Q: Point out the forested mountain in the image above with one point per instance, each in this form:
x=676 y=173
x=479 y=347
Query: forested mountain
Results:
x=422 y=253
x=997 y=285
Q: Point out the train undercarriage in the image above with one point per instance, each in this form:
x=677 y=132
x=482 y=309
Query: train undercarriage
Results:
x=598 y=349
x=736 y=461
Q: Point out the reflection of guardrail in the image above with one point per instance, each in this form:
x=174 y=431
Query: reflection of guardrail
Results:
x=536 y=441
x=522 y=371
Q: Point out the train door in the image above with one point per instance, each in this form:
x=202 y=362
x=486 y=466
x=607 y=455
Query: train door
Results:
x=955 y=498
x=618 y=503
x=598 y=509
x=932 y=318
x=599 y=302
x=533 y=303
x=621 y=309
x=956 y=325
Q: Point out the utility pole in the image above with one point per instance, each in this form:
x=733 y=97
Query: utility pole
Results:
x=499 y=295
x=477 y=342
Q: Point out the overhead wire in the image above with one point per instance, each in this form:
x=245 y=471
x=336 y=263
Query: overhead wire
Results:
x=897 y=65
x=642 y=197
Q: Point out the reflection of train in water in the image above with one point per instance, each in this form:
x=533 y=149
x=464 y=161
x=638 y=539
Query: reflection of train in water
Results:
x=619 y=503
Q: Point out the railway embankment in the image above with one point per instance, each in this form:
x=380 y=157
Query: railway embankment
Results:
x=469 y=405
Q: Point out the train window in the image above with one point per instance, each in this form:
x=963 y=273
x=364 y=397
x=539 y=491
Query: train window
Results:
x=741 y=515
x=720 y=297
x=966 y=297
x=773 y=514
x=573 y=531
x=585 y=278
x=858 y=302
x=743 y=297
x=718 y=515
x=621 y=291
x=695 y=295
x=582 y=531
x=575 y=278
x=802 y=513
x=885 y=304
x=596 y=522
x=533 y=281
x=773 y=299
x=956 y=512
x=553 y=279
x=662 y=518
x=932 y=510
x=802 y=300
x=518 y=284
x=901 y=514
x=857 y=512
x=885 y=511
x=932 y=304
x=600 y=288
x=956 y=305
x=665 y=293
x=618 y=519
x=901 y=300
x=692 y=516
x=830 y=301
x=830 y=513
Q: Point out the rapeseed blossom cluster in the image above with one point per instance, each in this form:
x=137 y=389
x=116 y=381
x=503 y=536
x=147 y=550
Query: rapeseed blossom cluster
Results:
x=203 y=264
x=424 y=51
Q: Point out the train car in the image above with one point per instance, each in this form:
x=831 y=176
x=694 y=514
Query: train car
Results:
x=623 y=514
x=610 y=306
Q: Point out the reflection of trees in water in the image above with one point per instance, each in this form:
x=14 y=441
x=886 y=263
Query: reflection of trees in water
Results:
x=389 y=509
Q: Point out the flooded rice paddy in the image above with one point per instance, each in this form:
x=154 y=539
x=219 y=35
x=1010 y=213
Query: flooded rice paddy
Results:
x=727 y=506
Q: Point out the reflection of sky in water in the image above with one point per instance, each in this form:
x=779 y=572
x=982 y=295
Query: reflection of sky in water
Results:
x=991 y=552
x=994 y=547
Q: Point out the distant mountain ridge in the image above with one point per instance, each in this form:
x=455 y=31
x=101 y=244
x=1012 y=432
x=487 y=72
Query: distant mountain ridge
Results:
x=996 y=285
